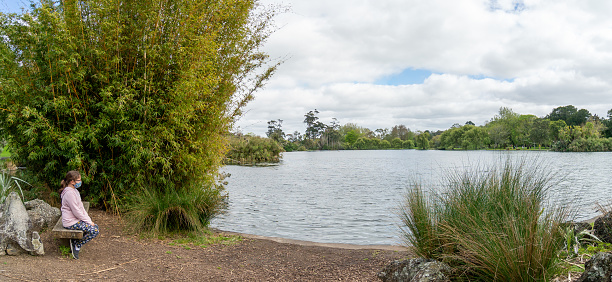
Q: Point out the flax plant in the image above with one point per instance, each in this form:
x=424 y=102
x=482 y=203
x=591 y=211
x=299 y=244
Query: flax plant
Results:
x=494 y=225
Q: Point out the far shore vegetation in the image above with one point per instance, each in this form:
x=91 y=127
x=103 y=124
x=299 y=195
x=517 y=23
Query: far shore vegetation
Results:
x=564 y=129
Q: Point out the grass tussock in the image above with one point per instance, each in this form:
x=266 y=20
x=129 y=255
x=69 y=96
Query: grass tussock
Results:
x=490 y=225
x=204 y=239
x=186 y=208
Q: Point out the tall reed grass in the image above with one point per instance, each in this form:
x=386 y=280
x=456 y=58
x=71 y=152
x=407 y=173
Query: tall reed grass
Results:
x=174 y=209
x=490 y=225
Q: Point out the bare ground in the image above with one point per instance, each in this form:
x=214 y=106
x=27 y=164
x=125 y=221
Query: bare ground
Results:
x=116 y=256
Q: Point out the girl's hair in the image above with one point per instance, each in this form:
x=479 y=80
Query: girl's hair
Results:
x=71 y=175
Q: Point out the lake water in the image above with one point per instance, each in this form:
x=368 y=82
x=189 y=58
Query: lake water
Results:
x=352 y=196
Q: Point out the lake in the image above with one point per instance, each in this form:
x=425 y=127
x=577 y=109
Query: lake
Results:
x=353 y=196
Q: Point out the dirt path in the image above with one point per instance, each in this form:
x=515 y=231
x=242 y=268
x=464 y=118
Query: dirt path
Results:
x=117 y=257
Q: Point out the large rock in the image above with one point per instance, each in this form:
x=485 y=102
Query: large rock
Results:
x=15 y=234
x=418 y=269
x=603 y=228
x=598 y=269
x=42 y=214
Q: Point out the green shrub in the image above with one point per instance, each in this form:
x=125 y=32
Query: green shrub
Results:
x=187 y=208
x=490 y=224
x=130 y=93
x=248 y=149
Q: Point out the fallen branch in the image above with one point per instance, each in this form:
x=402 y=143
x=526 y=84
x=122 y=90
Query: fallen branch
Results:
x=99 y=271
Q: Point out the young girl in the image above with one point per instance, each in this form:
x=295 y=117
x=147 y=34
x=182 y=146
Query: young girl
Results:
x=74 y=216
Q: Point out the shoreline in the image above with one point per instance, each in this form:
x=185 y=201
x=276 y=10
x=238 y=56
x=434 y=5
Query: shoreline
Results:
x=317 y=244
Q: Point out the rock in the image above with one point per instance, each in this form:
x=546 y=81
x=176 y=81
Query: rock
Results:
x=598 y=269
x=37 y=245
x=603 y=228
x=42 y=214
x=418 y=269
x=15 y=224
x=13 y=250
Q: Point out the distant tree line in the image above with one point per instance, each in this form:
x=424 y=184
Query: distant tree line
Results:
x=565 y=129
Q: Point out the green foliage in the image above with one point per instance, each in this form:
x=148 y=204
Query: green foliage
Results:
x=581 y=139
x=490 y=225
x=467 y=137
x=133 y=94
x=574 y=240
x=246 y=150
x=5 y=153
x=420 y=225
x=364 y=143
x=351 y=137
x=506 y=130
x=203 y=239
x=275 y=130
x=173 y=209
x=10 y=183
x=422 y=141
x=65 y=251
x=607 y=130
x=570 y=114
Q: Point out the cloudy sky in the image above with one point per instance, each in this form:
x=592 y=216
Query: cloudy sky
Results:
x=428 y=64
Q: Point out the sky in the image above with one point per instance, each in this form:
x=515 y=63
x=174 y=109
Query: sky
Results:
x=431 y=64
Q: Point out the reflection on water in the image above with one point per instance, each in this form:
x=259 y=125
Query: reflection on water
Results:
x=352 y=196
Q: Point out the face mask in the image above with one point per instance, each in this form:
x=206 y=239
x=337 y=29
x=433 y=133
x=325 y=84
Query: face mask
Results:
x=78 y=184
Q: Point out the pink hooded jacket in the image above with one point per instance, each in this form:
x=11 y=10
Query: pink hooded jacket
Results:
x=72 y=208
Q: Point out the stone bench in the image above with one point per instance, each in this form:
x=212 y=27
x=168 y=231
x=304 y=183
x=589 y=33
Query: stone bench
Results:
x=62 y=233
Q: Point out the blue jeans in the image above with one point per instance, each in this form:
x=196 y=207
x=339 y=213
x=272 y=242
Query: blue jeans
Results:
x=89 y=232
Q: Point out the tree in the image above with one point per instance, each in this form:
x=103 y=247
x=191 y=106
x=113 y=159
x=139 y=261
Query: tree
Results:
x=524 y=125
x=555 y=128
x=401 y=132
x=570 y=114
x=351 y=137
x=314 y=127
x=607 y=131
x=539 y=132
x=133 y=94
x=275 y=131
x=503 y=128
x=474 y=138
x=381 y=133
x=422 y=140
x=296 y=136
x=330 y=138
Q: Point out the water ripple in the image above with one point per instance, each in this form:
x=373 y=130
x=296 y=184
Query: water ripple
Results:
x=352 y=196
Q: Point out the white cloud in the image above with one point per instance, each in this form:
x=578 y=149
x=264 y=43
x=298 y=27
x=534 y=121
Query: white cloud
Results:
x=539 y=54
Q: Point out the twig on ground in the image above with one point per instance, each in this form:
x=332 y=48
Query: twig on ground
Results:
x=578 y=265
x=99 y=271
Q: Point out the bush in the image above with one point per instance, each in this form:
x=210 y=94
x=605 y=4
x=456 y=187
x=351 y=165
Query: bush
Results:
x=253 y=149
x=133 y=94
x=490 y=225
x=174 y=209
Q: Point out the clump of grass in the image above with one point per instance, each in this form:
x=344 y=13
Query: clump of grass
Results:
x=490 y=225
x=65 y=251
x=421 y=228
x=170 y=210
x=203 y=239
